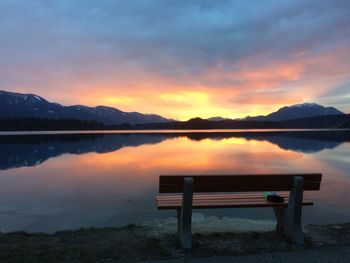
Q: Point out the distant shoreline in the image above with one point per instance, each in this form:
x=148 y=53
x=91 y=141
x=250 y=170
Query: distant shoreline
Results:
x=313 y=123
x=166 y=131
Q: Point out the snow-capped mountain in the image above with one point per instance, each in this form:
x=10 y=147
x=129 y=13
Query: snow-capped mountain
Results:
x=14 y=105
x=298 y=111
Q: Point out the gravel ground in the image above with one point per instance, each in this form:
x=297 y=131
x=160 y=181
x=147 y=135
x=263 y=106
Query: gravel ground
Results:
x=338 y=254
x=223 y=239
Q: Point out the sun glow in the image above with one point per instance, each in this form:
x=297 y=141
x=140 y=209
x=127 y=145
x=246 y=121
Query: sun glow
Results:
x=122 y=100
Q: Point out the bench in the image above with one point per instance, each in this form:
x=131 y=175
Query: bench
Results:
x=237 y=191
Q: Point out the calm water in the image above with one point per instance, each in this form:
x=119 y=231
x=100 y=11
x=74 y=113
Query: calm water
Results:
x=52 y=182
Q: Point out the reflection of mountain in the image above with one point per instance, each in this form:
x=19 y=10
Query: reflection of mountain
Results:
x=31 y=150
x=307 y=142
x=19 y=151
x=299 y=141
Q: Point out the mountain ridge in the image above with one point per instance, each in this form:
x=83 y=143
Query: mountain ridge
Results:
x=15 y=105
x=18 y=105
x=297 y=111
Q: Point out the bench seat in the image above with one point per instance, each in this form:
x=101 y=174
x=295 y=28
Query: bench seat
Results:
x=224 y=200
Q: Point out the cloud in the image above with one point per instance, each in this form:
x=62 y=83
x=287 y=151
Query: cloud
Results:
x=234 y=52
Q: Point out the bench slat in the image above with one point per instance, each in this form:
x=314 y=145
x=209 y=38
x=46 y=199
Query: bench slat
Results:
x=310 y=186
x=198 y=201
x=229 y=205
x=238 y=183
x=227 y=178
x=221 y=201
x=216 y=196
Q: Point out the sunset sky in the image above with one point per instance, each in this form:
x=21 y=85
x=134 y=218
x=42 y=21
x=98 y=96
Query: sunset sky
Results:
x=179 y=59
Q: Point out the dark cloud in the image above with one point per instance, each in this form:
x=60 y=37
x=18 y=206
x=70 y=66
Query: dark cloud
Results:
x=51 y=43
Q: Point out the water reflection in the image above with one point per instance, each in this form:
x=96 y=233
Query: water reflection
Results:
x=71 y=181
x=22 y=151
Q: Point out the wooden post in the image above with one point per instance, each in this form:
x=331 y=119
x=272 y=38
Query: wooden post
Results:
x=185 y=233
x=292 y=218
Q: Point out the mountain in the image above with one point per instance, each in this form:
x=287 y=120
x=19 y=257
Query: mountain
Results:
x=17 y=105
x=297 y=111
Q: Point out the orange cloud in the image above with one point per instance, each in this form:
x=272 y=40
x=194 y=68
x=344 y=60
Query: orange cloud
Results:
x=229 y=89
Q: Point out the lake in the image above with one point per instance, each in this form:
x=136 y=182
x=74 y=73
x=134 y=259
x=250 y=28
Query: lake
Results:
x=51 y=182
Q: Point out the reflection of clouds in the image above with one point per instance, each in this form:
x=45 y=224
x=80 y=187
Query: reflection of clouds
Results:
x=338 y=162
x=21 y=151
x=182 y=154
x=93 y=189
x=333 y=196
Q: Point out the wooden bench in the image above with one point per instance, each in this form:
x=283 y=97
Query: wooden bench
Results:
x=225 y=191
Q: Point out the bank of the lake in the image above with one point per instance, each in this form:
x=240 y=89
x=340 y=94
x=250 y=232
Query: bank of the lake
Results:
x=157 y=240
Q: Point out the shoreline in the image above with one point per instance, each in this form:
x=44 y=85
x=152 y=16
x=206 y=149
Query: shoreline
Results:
x=156 y=241
x=166 y=131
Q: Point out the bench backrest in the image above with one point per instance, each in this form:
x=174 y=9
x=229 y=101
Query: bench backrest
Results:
x=238 y=183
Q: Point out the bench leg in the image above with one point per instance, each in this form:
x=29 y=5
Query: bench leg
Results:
x=185 y=215
x=280 y=215
x=292 y=222
x=178 y=215
x=289 y=219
